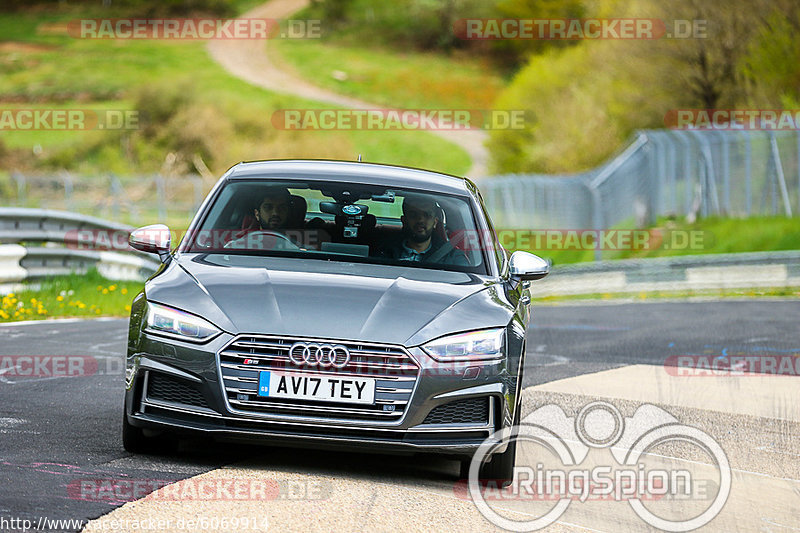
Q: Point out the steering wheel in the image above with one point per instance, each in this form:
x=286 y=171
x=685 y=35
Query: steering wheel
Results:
x=263 y=240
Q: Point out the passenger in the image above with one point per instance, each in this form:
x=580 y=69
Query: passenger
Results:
x=420 y=241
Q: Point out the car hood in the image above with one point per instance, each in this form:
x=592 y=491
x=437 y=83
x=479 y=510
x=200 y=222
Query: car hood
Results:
x=330 y=300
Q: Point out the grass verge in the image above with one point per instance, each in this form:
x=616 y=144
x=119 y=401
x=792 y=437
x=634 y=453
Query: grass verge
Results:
x=87 y=295
x=675 y=238
x=761 y=292
x=391 y=78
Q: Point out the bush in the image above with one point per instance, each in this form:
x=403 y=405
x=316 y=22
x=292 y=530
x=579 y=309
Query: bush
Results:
x=143 y=8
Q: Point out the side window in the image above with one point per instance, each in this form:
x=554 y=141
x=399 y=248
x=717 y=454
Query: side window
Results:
x=500 y=253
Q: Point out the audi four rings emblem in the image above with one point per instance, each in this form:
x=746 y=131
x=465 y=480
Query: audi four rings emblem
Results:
x=324 y=355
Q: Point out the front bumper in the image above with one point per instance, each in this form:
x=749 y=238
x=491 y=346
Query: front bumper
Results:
x=202 y=406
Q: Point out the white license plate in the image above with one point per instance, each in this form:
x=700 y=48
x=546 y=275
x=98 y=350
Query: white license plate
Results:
x=319 y=387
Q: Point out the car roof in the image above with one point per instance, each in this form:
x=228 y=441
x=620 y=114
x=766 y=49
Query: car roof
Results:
x=352 y=172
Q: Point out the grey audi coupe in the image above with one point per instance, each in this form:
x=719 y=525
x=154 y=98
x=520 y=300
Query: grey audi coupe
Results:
x=332 y=304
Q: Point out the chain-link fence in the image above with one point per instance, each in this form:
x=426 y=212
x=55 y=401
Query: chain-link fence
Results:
x=690 y=174
x=134 y=200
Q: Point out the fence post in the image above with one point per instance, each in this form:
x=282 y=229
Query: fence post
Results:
x=776 y=156
x=20 y=179
x=797 y=137
x=748 y=176
x=116 y=191
x=67 y=179
x=197 y=183
x=162 y=198
x=726 y=175
x=652 y=151
x=597 y=218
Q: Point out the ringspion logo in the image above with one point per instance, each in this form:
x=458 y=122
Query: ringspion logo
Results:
x=563 y=461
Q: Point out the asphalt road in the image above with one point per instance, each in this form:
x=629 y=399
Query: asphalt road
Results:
x=59 y=432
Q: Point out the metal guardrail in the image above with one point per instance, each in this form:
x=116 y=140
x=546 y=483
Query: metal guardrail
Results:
x=59 y=253
x=58 y=250
x=678 y=273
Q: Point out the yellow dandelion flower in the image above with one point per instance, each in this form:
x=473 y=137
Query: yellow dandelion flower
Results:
x=124 y=290
x=105 y=291
x=59 y=298
x=112 y=287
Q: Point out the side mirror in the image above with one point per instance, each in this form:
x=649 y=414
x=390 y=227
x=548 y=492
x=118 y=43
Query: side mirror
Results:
x=528 y=267
x=154 y=239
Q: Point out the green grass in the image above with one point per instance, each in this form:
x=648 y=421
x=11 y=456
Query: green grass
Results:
x=88 y=295
x=51 y=69
x=413 y=80
x=711 y=236
x=761 y=292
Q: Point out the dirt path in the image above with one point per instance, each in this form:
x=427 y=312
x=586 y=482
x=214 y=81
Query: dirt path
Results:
x=248 y=60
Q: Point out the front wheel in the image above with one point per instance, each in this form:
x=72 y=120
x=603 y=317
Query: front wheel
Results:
x=134 y=440
x=500 y=468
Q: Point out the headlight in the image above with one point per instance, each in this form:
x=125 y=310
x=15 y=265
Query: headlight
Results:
x=484 y=344
x=173 y=323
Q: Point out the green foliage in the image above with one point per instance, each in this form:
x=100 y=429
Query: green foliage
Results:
x=588 y=99
x=189 y=106
x=712 y=235
x=513 y=52
x=143 y=8
x=385 y=76
x=417 y=24
x=85 y=295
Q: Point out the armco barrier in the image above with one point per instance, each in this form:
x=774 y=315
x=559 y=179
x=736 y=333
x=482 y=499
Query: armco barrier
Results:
x=52 y=233
x=697 y=272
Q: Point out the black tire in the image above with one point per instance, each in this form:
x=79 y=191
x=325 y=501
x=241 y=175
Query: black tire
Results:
x=133 y=438
x=501 y=467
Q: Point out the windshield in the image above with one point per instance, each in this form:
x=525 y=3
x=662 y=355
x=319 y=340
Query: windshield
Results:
x=335 y=221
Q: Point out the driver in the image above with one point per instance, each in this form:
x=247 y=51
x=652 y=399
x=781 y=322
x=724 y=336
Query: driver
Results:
x=272 y=213
x=419 y=242
x=272 y=216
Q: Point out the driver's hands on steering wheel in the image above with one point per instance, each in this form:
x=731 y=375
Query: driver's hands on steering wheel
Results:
x=263 y=240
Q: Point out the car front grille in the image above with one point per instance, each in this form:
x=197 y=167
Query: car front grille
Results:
x=470 y=411
x=169 y=389
x=245 y=357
